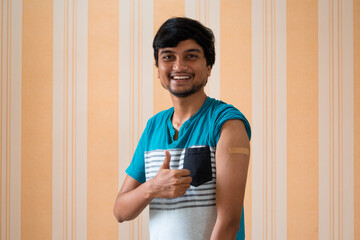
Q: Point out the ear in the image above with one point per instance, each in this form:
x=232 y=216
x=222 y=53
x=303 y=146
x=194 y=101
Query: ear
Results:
x=208 y=70
x=158 y=73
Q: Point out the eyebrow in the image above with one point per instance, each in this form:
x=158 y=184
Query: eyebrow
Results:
x=187 y=51
x=193 y=50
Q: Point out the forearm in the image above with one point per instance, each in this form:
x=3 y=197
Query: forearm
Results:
x=130 y=204
x=134 y=196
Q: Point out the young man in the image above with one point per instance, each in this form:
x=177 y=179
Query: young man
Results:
x=191 y=163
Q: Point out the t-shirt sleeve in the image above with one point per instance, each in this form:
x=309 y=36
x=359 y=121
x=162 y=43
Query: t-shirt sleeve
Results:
x=227 y=112
x=136 y=169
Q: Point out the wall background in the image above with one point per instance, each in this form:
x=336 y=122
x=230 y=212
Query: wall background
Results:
x=78 y=84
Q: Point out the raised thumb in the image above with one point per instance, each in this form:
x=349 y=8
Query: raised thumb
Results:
x=166 y=163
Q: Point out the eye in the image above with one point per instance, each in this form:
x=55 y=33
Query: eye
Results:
x=192 y=56
x=167 y=57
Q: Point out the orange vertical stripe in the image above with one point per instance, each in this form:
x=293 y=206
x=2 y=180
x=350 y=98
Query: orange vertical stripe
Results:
x=103 y=117
x=302 y=109
x=36 y=138
x=162 y=11
x=357 y=116
x=235 y=43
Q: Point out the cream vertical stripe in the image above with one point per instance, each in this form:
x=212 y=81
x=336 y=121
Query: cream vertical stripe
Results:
x=336 y=120
x=11 y=87
x=125 y=152
x=147 y=60
x=269 y=119
x=280 y=128
x=135 y=93
x=81 y=119
x=69 y=120
x=208 y=13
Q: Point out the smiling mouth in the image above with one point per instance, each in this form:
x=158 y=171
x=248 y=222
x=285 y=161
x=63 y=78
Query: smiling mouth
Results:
x=181 y=77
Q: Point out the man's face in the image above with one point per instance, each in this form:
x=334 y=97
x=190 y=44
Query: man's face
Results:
x=182 y=69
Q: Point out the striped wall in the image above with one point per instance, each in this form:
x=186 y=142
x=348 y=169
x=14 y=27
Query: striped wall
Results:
x=78 y=83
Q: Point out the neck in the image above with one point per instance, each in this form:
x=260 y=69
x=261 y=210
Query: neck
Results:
x=186 y=107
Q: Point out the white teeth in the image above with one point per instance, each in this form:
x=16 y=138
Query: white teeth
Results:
x=180 y=77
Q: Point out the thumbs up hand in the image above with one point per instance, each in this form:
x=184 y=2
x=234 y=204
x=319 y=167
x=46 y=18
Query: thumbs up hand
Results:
x=170 y=183
x=166 y=163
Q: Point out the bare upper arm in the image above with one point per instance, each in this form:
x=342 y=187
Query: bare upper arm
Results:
x=232 y=162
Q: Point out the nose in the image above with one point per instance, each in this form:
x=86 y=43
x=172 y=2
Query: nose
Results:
x=179 y=65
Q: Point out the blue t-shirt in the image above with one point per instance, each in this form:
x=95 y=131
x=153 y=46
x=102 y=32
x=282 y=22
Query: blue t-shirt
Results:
x=193 y=215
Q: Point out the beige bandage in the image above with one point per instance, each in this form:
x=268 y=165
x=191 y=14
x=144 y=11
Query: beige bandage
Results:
x=239 y=150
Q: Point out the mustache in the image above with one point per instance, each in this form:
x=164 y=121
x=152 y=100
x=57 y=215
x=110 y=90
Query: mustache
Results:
x=181 y=73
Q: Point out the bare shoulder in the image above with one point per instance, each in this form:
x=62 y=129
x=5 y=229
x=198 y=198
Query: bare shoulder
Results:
x=233 y=133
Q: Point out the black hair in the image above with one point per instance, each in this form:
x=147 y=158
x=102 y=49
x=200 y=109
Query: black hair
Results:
x=178 y=29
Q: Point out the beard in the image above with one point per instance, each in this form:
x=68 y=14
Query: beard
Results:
x=186 y=93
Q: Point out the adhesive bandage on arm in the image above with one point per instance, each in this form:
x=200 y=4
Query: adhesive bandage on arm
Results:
x=239 y=150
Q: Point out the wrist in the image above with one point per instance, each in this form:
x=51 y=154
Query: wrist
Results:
x=149 y=193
